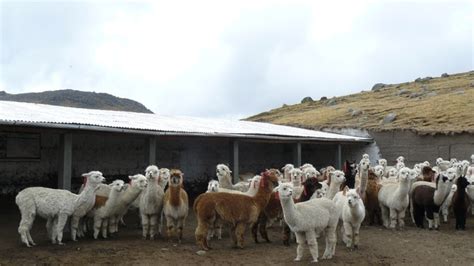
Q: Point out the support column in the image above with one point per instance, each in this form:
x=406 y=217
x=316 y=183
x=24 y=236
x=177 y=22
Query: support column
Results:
x=152 y=150
x=297 y=154
x=65 y=161
x=339 y=156
x=235 y=156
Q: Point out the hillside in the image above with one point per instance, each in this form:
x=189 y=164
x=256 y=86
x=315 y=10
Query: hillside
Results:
x=81 y=99
x=427 y=106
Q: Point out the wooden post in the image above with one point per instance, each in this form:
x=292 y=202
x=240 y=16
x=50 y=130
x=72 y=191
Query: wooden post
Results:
x=339 y=156
x=235 y=170
x=297 y=154
x=152 y=150
x=65 y=161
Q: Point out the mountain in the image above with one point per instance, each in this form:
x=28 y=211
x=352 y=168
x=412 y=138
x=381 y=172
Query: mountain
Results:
x=81 y=99
x=440 y=105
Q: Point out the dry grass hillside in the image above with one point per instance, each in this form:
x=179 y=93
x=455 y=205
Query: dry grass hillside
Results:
x=427 y=106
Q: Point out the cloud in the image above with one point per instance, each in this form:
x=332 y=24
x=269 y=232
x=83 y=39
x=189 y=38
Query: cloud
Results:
x=229 y=59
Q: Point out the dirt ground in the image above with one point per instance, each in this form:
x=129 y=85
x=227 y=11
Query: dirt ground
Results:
x=378 y=246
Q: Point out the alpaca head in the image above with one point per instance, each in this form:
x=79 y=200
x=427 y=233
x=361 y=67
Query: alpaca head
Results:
x=285 y=191
x=383 y=162
x=321 y=192
x=165 y=175
x=269 y=178
x=364 y=164
x=337 y=177
x=139 y=181
x=472 y=158
x=296 y=176
x=176 y=178
x=306 y=165
x=353 y=198
x=94 y=178
x=465 y=166
x=213 y=186
x=310 y=172
x=400 y=159
x=452 y=173
x=287 y=167
x=152 y=173
x=379 y=171
x=462 y=183
x=400 y=165
x=404 y=174
x=392 y=172
x=255 y=181
x=365 y=156
x=413 y=175
x=443 y=180
x=453 y=161
x=117 y=185
x=222 y=170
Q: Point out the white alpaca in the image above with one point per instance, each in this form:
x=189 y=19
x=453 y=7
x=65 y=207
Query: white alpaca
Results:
x=225 y=179
x=253 y=187
x=164 y=177
x=336 y=178
x=392 y=175
x=308 y=218
x=216 y=228
x=447 y=203
x=286 y=172
x=309 y=171
x=363 y=173
x=383 y=163
x=379 y=171
x=137 y=184
x=102 y=213
x=296 y=178
x=393 y=198
x=151 y=202
x=351 y=211
x=55 y=205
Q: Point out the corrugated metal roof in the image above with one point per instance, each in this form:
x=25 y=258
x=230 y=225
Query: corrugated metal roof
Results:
x=32 y=114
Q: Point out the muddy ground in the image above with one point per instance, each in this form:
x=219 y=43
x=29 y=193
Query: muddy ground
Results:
x=378 y=246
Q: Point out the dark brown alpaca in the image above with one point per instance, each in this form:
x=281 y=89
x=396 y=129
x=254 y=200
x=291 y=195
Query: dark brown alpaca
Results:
x=461 y=203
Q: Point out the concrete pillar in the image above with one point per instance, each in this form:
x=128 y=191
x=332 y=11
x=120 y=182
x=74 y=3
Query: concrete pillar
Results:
x=339 y=156
x=151 y=150
x=297 y=154
x=235 y=157
x=65 y=161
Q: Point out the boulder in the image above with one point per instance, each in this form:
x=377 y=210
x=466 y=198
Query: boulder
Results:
x=307 y=100
x=378 y=86
x=403 y=92
x=332 y=101
x=324 y=98
x=356 y=112
x=389 y=118
x=444 y=75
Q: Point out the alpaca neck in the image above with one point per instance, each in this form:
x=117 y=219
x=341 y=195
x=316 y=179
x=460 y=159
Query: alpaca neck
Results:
x=289 y=211
x=402 y=190
x=441 y=193
x=364 y=177
x=357 y=210
x=130 y=194
x=225 y=181
x=174 y=195
x=263 y=196
x=333 y=189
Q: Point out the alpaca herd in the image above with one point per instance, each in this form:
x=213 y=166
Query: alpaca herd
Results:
x=308 y=203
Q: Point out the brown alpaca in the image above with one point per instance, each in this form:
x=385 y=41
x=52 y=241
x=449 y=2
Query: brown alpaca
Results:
x=428 y=174
x=100 y=201
x=371 y=200
x=236 y=210
x=175 y=204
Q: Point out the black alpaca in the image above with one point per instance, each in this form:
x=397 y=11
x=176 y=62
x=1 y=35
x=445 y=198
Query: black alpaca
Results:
x=350 y=170
x=460 y=203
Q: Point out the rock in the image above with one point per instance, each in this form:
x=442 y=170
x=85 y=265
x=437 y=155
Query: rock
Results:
x=378 y=86
x=403 y=92
x=459 y=92
x=417 y=79
x=201 y=252
x=389 y=118
x=356 y=112
x=307 y=100
x=284 y=105
x=165 y=249
x=431 y=94
x=416 y=94
x=444 y=75
x=472 y=83
x=332 y=101
x=423 y=79
x=350 y=110
x=324 y=98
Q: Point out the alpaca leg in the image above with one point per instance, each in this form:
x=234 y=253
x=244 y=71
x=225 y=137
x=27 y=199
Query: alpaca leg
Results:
x=385 y=216
x=263 y=228
x=180 y=229
x=356 y=230
x=105 y=226
x=200 y=234
x=393 y=218
x=54 y=232
x=153 y=225
x=239 y=234
x=331 y=240
x=97 y=226
x=145 y=225
x=254 y=230
x=74 y=227
x=436 y=220
x=286 y=234
x=401 y=219
x=49 y=228
x=444 y=211
x=347 y=234
x=27 y=219
x=219 y=230
x=62 y=219
x=313 y=244
x=170 y=227
x=300 y=241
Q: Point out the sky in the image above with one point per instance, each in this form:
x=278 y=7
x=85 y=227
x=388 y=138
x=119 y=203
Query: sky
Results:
x=229 y=59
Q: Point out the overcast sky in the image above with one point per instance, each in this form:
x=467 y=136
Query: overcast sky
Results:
x=229 y=59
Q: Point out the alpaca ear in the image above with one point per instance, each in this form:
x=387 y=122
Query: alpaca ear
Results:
x=344 y=191
x=86 y=174
x=131 y=177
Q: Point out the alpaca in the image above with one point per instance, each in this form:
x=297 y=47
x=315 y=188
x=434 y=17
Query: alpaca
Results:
x=55 y=205
x=379 y=172
x=137 y=184
x=370 y=199
x=326 y=173
x=351 y=212
x=350 y=172
x=309 y=172
x=335 y=180
x=392 y=175
x=296 y=178
x=286 y=172
x=103 y=207
x=225 y=179
x=306 y=219
x=176 y=204
x=427 y=199
x=164 y=177
x=273 y=210
x=236 y=210
x=151 y=202
x=447 y=203
x=393 y=198
x=460 y=203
